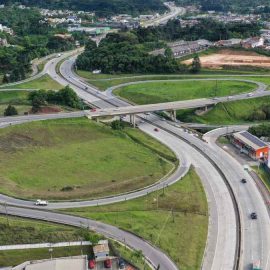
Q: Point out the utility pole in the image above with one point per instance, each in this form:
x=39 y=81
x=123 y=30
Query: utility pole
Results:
x=5 y=205
x=173 y=215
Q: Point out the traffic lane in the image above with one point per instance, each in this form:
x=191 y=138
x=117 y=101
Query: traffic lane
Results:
x=221 y=242
x=256 y=241
x=151 y=253
x=258 y=231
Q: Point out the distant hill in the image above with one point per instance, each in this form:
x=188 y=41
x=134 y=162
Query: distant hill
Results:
x=102 y=7
x=227 y=5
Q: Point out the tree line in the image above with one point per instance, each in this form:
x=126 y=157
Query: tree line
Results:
x=33 y=38
x=101 y=7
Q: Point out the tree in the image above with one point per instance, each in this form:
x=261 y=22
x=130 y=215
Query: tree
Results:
x=196 y=64
x=168 y=53
x=117 y=125
x=5 y=78
x=10 y=110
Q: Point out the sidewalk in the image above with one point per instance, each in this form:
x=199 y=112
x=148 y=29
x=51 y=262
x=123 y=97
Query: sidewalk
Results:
x=45 y=245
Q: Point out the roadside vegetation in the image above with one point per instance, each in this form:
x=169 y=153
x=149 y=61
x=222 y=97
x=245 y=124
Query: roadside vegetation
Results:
x=233 y=112
x=174 y=219
x=45 y=82
x=264 y=175
x=135 y=257
x=156 y=92
x=69 y=158
x=16 y=257
x=14 y=231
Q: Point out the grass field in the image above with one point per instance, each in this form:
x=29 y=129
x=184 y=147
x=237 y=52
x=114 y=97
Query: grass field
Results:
x=180 y=232
x=15 y=231
x=263 y=175
x=156 y=92
x=14 y=97
x=45 y=82
x=233 y=112
x=22 y=231
x=16 y=257
x=69 y=158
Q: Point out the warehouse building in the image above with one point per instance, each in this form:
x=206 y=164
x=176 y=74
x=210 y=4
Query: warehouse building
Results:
x=250 y=145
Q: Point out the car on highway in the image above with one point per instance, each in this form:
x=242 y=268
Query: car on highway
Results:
x=230 y=97
x=243 y=180
x=156 y=129
x=108 y=263
x=93 y=110
x=253 y=215
x=41 y=202
x=91 y=264
x=121 y=263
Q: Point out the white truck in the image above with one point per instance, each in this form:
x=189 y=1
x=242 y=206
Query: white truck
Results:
x=41 y=203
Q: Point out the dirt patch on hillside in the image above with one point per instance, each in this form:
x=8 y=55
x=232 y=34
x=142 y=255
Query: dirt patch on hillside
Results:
x=47 y=109
x=233 y=58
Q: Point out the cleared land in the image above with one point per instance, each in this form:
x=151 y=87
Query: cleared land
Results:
x=45 y=82
x=22 y=231
x=156 y=92
x=176 y=220
x=233 y=58
x=69 y=158
x=13 y=97
x=233 y=112
x=16 y=257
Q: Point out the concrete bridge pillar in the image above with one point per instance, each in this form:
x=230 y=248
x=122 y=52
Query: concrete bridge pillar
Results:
x=133 y=120
x=173 y=115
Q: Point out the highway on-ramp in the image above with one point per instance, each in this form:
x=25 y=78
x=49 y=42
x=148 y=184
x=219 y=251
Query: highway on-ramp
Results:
x=222 y=237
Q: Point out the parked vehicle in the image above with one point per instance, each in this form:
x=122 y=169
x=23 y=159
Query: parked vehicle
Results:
x=91 y=264
x=253 y=215
x=121 y=263
x=256 y=265
x=108 y=263
x=41 y=202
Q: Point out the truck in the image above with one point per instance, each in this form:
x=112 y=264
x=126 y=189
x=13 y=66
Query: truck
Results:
x=41 y=202
x=256 y=265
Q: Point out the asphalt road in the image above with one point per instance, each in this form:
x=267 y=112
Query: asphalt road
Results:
x=222 y=230
x=254 y=245
x=174 y=12
x=256 y=241
x=221 y=244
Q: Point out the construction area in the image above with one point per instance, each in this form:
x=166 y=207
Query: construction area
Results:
x=233 y=58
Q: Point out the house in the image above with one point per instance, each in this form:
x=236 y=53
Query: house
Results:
x=101 y=250
x=3 y=42
x=250 y=145
x=252 y=42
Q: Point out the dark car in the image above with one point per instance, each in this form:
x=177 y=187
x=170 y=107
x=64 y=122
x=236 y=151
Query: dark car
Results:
x=91 y=264
x=108 y=263
x=121 y=263
x=156 y=129
x=253 y=215
x=243 y=180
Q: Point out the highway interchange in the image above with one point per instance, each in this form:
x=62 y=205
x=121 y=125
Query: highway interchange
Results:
x=222 y=250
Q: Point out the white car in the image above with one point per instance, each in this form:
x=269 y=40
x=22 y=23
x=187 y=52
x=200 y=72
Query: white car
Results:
x=250 y=94
x=41 y=203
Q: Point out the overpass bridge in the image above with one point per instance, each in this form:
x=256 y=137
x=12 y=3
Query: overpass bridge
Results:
x=137 y=109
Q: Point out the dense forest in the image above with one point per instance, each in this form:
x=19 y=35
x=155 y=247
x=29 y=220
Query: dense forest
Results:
x=242 y=6
x=101 y=7
x=128 y=52
x=123 y=53
x=206 y=29
x=32 y=39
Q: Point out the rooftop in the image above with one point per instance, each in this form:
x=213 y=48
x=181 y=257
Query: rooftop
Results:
x=250 y=140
